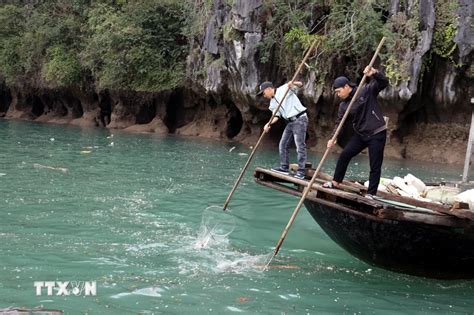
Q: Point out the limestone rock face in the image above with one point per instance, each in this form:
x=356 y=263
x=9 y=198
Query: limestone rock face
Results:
x=435 y=97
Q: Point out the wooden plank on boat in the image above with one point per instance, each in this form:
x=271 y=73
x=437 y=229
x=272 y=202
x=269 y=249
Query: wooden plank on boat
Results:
x=461 y=210
x=460 y=205
x=391 y=214
x=445 y=209
x=465 y=214
x=460 y=213
x=312 y=196
x=336 y=192
x=343 y=187
x=327 y=177
x=378 y=214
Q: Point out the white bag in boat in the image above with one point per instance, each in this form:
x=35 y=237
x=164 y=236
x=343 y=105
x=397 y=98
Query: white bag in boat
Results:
x=466 y=196
x=409 y=190
x=381 y=187
x=442 y=194
x=415 y=182
x=385 y=181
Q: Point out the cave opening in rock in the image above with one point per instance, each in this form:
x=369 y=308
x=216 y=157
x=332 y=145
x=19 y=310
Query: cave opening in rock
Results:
x=37 y=106
x=234 y=122
x=73 y=105
x=5 y=99
x=105 y=105
x=146 y=113
x=174 y=111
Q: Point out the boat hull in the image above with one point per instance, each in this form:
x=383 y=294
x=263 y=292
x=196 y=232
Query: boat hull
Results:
x=401 y=246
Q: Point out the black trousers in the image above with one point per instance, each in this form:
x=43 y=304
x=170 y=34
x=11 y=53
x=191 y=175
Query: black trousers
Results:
x=376 y=145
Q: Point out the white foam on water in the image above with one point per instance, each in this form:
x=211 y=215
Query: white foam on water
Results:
x=120 y=295
x=298 y=250
x=244 y=263
x=208 y=238
x=110 y=261
x=234 y=309
x=216 y=226
x=151 y=291
x=289 y=296
x=211 y=250
x=146 y=246
x=40 y=166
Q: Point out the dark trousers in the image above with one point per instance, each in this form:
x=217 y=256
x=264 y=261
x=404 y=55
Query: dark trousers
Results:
x=376 y=145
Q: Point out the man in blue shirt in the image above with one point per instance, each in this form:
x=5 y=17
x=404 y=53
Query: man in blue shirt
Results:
x=294 y=114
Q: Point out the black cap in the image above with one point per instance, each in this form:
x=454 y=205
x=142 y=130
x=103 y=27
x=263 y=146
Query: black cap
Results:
x=264 y=86
x=341 y=82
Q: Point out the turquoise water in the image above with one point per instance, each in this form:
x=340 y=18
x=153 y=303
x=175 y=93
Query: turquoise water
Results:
x=125 y=211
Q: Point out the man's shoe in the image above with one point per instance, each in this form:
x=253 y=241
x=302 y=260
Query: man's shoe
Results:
x=299 y=175
x=281 y=170
x=330 y=185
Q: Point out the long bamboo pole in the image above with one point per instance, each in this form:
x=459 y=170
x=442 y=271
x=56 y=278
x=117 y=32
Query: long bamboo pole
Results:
x=308 y=53
x=333 y=139
x=467 y=161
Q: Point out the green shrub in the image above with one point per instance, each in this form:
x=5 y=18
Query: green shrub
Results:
x=62 y=67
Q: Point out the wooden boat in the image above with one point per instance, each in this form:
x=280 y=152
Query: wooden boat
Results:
x=392 y=232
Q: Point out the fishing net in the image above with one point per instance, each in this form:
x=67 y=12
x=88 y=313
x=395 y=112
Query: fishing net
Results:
x=213 y=242
x=216 y=225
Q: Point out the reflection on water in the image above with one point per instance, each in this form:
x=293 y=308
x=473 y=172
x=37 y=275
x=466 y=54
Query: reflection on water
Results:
x=141 y=218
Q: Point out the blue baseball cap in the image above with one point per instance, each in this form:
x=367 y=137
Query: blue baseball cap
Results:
x=341 y=82
x=264 y=86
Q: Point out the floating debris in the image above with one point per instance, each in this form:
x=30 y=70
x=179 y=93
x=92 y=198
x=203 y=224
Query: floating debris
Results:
x=29 y=311
x=40 y=166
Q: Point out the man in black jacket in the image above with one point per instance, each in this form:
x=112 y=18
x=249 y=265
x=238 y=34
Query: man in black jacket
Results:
x=369 y=125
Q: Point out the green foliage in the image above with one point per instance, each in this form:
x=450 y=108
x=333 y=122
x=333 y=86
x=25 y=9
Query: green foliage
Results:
x=9 y=65
x=343 y=28
x=10 y=19
x=296 y=41
x=138 y=46
x=197 y=14
x=62 y=67
x=142 y=45
x=230 y=34
x=445 y=29
x=402 y=35
x=287 y=32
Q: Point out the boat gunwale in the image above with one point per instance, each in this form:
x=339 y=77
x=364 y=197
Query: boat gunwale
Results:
x=381 y=212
